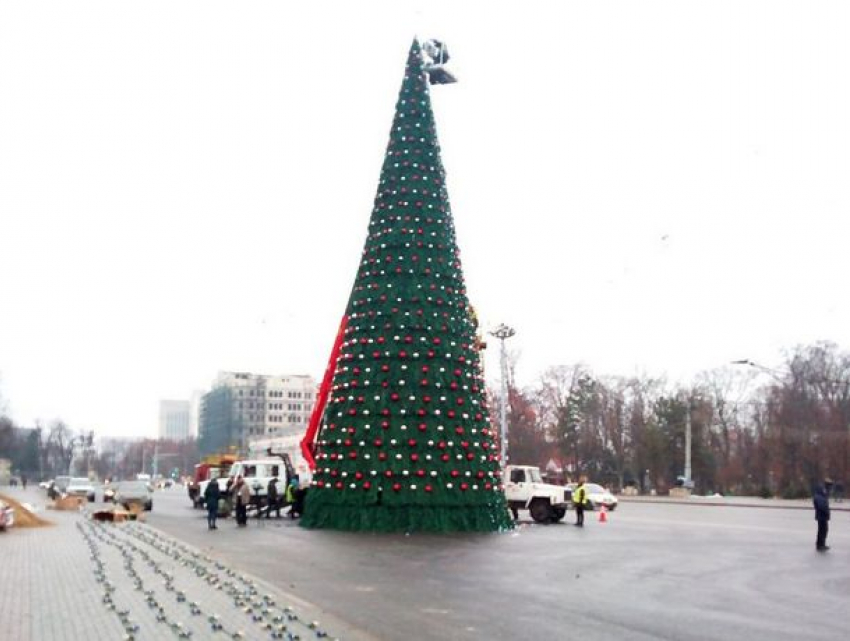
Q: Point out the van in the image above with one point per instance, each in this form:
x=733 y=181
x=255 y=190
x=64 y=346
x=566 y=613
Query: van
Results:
x=258 y=472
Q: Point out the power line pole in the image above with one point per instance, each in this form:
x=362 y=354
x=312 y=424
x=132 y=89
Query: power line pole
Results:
x=503 y=332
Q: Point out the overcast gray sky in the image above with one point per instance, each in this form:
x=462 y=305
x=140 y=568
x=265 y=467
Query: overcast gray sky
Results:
x=185 y=187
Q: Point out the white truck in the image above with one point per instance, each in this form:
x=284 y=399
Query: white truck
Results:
x=256 y=473
x=525 y=490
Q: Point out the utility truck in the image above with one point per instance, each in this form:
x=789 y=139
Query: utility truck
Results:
x=525 y=490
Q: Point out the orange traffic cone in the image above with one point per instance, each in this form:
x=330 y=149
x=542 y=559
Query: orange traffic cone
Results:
x=603 y=515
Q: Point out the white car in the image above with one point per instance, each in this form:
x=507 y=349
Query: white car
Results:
x=596 y=496
x=82 y=487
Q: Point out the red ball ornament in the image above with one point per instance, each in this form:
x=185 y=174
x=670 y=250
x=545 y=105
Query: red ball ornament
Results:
x=402 y=354
x=338 y=485
x=428 y=488
x=385 y=368
x=459 y=401
x=358 y=475
x=453 y=385
x=414 y=457
x=394 y=396
x=366 y=485
x=422 y=427
x=378 y=442
x=459 y=429
x=437 y=340
x=352 y=454
x=420 y=473
x=445 y=458
x=464 y=486
x=385 y=425
x=396 y=487
x=455 y=474
x=382 y=456
x=388 y=474
x=424 y=382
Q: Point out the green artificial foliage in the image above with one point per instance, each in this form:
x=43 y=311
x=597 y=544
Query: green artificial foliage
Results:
x=406 y=442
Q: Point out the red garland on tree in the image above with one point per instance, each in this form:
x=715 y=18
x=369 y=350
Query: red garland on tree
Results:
x=399 y=436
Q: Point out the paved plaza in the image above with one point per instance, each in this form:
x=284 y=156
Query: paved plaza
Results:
x=78 y=579
x=653 y=571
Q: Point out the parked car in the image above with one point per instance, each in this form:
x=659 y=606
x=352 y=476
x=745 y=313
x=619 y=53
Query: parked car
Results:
x=596 y=496
x=82 y=487
x=7 y=516
x=60 y=483
x=129 y=492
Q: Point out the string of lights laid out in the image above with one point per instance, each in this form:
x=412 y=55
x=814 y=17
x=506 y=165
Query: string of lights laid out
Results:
x=148 y=557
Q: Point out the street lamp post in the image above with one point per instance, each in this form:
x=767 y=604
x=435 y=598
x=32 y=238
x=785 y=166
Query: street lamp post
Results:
x=503 y=332
x=770 y=372
x=688 y=446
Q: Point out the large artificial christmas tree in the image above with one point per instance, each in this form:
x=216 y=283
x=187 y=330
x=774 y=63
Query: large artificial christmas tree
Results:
x=401 y=433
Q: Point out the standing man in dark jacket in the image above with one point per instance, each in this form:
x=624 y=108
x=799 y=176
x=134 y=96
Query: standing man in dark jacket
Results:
x=821 y=501
x=212 y=495
x=274 y=500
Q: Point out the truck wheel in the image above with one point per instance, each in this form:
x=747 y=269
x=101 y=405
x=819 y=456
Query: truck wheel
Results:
x=559 y=513
x=541 y=511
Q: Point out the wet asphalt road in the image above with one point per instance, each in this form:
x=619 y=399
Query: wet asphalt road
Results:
x=654 y=571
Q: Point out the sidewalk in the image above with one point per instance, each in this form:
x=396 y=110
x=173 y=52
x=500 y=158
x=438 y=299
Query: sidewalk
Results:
x=736 y=501
x=78 y=579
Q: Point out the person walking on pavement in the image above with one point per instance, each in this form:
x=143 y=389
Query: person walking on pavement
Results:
x=212 y=495
x=274 y=499
x=579 y=498
x=241 y=498
x=24 y=480
x=821 y=502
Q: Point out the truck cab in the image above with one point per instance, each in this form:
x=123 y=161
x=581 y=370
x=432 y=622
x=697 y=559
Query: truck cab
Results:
x=525 y=490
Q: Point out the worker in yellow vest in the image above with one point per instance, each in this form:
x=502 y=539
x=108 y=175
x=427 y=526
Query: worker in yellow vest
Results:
x=579 y=498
